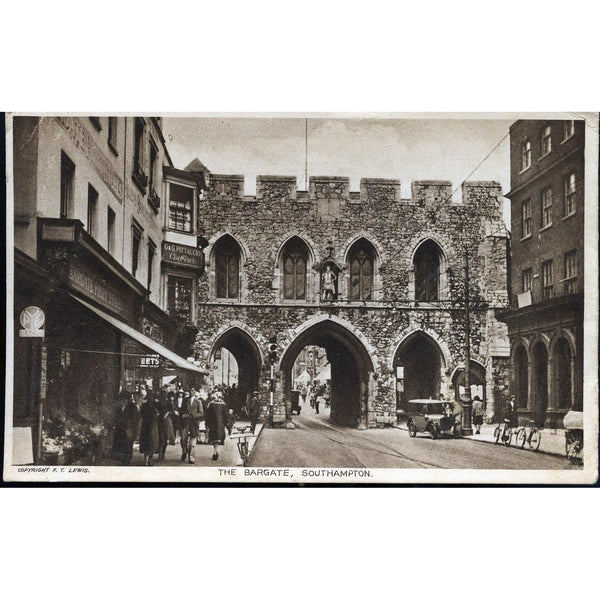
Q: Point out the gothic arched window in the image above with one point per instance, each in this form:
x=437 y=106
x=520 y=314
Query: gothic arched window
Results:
x=427 y=271
x=227 y=267
x=361 y=261
x=295 y=261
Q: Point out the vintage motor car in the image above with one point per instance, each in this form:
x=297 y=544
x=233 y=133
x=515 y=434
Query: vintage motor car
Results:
x=435 y=417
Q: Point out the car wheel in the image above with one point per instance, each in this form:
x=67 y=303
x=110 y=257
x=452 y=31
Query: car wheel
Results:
x=433 y=430
x=412 y=429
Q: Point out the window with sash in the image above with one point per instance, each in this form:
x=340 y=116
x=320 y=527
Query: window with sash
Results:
x=227 y=268
x=361 y=262
x=526 y=218
x=295 y=261
x=570 y=190
x=546 y=140
x=92 y=206
x=112 y=134
x=547 y=280
x=181 y=208
x=546 y=207
x=67 y=178
x=525 y=155
x=136 y=240
x=570 y=272
x=569 y=129
x=526 y=280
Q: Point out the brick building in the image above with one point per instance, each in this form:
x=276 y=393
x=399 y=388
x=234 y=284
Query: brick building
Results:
x=545 y=323
x=375 y=279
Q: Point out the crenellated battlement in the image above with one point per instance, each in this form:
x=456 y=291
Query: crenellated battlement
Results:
x=282 y=188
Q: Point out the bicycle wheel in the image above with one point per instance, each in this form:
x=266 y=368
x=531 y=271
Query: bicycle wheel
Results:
x=535 y=437
x=244 y=452
x=497 y=434
x=507 y=437
x=521 y=436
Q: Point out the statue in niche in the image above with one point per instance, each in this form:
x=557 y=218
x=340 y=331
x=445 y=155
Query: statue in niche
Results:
x=328 y=284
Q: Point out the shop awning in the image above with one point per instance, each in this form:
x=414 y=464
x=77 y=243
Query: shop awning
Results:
x=178 y=361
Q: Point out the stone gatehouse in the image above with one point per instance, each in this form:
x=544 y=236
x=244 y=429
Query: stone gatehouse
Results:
x=375 y=279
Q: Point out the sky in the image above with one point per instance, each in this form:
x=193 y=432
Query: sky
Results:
x=397 y=148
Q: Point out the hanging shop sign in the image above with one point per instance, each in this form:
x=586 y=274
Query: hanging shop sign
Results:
x=150 y=361
x=32 y=320
x=183 y=256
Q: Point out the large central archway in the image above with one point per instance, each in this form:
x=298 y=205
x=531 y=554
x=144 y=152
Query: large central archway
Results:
x=350 y=368
x=247 y=356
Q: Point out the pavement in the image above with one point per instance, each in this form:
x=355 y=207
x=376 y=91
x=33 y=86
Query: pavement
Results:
x=228 y=454
x=552 y=441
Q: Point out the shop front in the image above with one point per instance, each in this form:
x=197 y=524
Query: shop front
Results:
x=100 y=339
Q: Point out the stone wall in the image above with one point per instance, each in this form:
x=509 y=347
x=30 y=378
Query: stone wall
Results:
x=330 y=216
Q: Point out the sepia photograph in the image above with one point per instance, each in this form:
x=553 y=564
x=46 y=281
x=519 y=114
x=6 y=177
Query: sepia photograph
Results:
x=302 y=298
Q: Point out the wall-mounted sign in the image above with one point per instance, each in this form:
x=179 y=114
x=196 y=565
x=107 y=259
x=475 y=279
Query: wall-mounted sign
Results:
x=151 y=361
x=183 y=256
x=32 y=320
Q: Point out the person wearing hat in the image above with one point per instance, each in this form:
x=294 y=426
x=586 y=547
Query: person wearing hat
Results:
x=178 y=410
x=193 y=412
x=478 y=413
x=217 y=414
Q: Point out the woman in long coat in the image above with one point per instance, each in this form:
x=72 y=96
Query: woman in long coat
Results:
x=148 y=428
x=125 y=428
x=161 y=403
x=216 y=420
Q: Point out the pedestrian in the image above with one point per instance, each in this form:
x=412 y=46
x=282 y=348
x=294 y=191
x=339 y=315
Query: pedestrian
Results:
x=191 y=424
x=169 y=418
x=126 y=420
x=254 y=410
x=327 y=396
x=148 y=427
x=162 y=423
x=216 y=418
x=178 y=409
x=511 y=412
x=477 y=414
x=318 y=398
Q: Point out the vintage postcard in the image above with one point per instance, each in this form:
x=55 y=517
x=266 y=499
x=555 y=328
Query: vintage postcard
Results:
x=302 y=298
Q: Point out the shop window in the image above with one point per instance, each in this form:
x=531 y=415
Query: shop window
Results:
x=547 y=207
x=570 y=190
x=112 y=134
x=67 y=178
x=151 y=255
x=227 y=267
x=546 y=140
x=295 y=260
x=111 y=230
x=547 y=280
x=92 y=207
x=526 y=219
x=136 y=239
x=361 y=261
x=570 y=272
x=427 y=271
x=181 y=207
x=525 y=155
x=179 y=297
x=139 y=175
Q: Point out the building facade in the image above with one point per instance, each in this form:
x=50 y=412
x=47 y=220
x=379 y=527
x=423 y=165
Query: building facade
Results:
x=90 y=213
x=545 y=323
x=374 y=279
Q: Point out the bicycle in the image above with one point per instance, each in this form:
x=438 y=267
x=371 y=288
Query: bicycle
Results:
x=574 y=444
x=187 y=445
x=533 y=439
x=242 y=434
x=503 y=433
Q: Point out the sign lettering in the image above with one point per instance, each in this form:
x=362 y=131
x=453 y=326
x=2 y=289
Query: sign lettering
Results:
x=183 y=256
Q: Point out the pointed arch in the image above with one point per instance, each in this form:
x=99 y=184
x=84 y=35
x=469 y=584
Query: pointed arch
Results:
x=438 y=340
x=227 y=257
x=294 y=277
